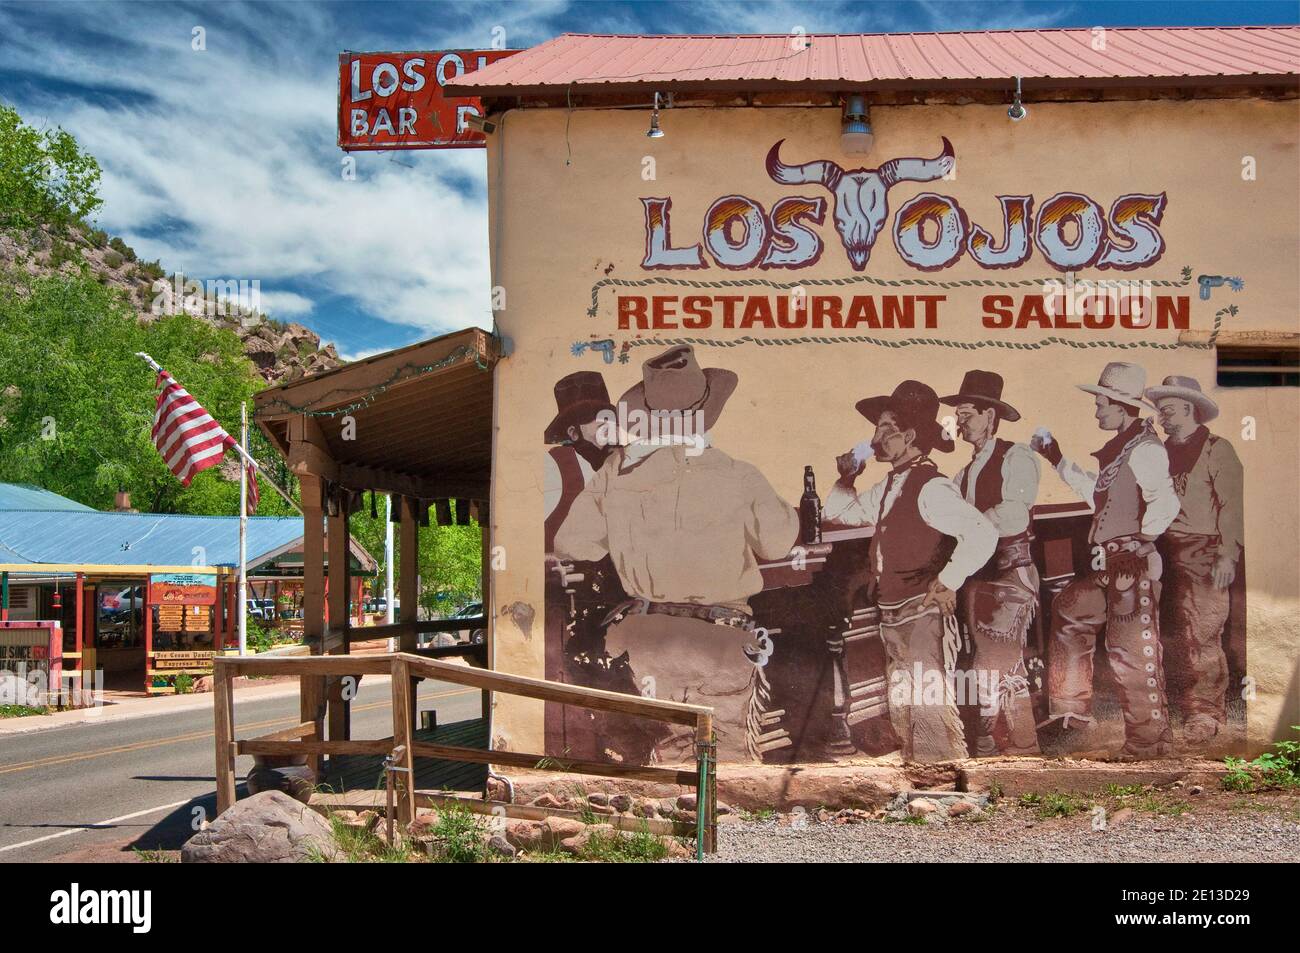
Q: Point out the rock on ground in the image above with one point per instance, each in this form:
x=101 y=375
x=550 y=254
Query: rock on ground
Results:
x=267 y=828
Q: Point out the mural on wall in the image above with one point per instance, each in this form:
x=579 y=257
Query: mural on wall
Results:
x=932 y=604
x=938 y=617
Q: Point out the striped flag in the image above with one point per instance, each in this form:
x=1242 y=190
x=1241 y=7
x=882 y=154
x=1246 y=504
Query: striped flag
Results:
x=188 y=437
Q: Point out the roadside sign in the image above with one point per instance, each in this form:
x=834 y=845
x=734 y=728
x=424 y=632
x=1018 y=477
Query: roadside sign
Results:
x=396 y=101
x=182 y=589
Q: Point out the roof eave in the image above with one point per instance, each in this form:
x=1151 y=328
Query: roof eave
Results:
x=1030 y=85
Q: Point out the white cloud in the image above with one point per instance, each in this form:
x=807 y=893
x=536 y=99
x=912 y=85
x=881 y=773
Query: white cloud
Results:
x=283 y=304
x=223 y=162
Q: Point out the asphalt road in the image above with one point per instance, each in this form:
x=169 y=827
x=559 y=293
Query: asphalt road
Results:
x=102 y=782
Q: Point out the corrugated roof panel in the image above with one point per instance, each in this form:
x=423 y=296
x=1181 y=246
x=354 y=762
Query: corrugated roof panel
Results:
x=24 y=496
x=91 y=537
x=1167 y=54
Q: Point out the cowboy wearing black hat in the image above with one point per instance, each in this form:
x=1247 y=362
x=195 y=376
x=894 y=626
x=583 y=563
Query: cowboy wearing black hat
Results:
x=999 y=600
x=927 y=542
x=581 y=449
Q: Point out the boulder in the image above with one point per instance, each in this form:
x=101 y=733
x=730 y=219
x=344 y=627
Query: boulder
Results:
x=1122 y=816
x=500 y=845
x=921 y=807
x=621 y=803
x=524 y=835
x=298 y=781
x=202 y=684
x=267 y=828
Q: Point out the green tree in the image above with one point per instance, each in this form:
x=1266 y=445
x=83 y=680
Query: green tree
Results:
x=449 y=558
x=76 y=404
x=45 y=178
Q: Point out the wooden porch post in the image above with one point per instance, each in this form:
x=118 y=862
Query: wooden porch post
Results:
x=313 y=563
x=336 y=637
x=223 y=711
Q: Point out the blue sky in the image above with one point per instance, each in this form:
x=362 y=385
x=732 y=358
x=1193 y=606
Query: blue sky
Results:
x=223 y=163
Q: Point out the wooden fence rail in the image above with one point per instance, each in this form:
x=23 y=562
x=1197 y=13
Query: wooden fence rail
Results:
x=316 y=673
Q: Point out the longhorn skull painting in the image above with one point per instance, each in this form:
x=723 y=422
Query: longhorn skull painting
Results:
x=861 y=204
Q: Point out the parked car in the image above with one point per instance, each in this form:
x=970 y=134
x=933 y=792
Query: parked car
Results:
x=473 y=610
x=477 y=635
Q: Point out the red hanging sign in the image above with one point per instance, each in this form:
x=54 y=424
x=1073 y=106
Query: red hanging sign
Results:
x=396 y=101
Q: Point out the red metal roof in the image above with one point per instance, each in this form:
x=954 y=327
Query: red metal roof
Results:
x=1044 y=58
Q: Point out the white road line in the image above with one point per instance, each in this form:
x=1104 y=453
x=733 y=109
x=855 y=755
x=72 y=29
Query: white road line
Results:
x=107 y=823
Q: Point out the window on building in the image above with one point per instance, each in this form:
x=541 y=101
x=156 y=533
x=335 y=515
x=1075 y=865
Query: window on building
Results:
x=1258 y=366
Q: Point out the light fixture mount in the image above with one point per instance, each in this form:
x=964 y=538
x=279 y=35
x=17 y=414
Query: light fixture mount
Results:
x=1017 y=111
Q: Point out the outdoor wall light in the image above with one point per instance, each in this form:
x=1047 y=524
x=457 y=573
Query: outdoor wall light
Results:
x=1017 y=111
x=655 y=132
x=855 y=134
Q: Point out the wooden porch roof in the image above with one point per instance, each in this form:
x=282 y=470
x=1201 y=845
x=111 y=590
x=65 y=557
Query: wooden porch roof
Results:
x=422 y=419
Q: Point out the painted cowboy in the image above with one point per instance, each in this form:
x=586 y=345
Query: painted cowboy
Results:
x=686 y=526
x=927 y=541
x=1133 y=503
x=1203 y=546
x=578 y=445
x=999 y=600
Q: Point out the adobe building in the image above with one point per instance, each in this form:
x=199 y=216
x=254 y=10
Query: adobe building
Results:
x=804 y=225
x=931 y=393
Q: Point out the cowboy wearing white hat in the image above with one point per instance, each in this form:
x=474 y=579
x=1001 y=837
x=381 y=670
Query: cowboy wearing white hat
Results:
x=1133 y=503
x=686 y=526
x=926 y=543
x=1203 y=547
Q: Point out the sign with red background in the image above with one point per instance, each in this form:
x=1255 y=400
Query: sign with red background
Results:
x=396 y=101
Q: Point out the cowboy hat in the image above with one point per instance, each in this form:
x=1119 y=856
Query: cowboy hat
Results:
x=674 y=382
x=917 y=407
x=580 y=397
x=982 y=388
x=1188 y=389
x=1122 y=382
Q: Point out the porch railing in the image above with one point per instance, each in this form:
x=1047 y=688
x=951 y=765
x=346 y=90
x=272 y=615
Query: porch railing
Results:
x=319 y=674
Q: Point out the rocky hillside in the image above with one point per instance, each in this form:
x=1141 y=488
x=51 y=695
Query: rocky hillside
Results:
x=281 y=352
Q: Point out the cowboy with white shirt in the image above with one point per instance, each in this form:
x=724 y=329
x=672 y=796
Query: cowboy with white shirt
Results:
x=1000 y=599
x=927 y=541
x=1134 y=502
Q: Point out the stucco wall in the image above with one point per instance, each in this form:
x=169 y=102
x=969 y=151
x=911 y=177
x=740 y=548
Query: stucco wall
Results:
x=566 y=212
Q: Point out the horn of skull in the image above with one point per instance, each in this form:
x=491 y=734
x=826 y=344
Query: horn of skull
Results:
x=860 y=195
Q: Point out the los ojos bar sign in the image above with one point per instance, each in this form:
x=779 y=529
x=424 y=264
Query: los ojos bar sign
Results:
x=184 y=604
x=396 y=101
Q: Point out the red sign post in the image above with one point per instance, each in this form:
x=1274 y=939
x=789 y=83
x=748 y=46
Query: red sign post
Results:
x=396 y=101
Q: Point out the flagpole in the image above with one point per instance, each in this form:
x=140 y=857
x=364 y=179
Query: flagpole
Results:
x=243 y=531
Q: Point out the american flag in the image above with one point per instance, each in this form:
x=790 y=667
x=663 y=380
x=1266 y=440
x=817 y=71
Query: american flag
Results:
x=189 y=439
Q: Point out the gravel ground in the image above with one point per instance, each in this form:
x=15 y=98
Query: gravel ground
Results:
x=1213 y=828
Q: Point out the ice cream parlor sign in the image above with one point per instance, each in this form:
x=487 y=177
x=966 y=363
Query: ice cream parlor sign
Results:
x=848 y=212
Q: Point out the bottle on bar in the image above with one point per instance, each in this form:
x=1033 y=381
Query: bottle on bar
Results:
x=810 y=510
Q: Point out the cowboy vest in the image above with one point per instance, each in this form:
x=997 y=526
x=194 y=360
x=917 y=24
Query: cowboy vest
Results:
x=907 y=553
x=1117 y=500
x=571 y=484
x=1011 y=551
x=988 y=485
